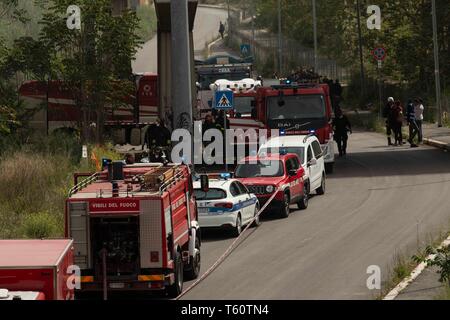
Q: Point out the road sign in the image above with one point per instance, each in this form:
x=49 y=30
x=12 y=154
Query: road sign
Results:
x=245 y=50
x=223 y=100
x=379 y=53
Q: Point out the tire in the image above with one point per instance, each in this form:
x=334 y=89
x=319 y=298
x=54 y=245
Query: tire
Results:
x=177 y=287
x=238 y=229
x=193 y=271
x=257 y=222
x=304 y=201
x=321 y=190
x=285 y=210
x=329 y=168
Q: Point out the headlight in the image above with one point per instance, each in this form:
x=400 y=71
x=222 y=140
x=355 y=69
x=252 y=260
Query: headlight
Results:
x=270 y=189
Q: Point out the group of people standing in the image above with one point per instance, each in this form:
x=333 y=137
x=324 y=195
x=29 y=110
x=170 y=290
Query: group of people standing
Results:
x=395 y=116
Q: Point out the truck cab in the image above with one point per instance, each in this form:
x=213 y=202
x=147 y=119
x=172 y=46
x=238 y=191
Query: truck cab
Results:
x=299 y=109
x=275 y=177
x=135 y=228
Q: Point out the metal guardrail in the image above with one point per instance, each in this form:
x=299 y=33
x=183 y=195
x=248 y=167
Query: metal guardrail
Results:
x=83 y=184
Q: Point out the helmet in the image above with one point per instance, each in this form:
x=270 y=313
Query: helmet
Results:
x=391 y=99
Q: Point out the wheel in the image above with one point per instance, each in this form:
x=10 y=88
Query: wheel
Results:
x=321 y=191
x=329 y=168
x=238 y=229
x=285 y=211
x=257 y=221
x=193 y=271
x=304 y=201
x=177 y=287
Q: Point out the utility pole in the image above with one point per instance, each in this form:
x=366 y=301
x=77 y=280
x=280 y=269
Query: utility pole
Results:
x=316 y=62
x=229 y=19
x=181 y=66
x=280 y=41
x=436 y=64
x=361 y=56
x=253 y=28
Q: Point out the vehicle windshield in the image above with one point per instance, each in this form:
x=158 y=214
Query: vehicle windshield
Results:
x=243 y=105
x=299 y=151
x=212 y=194
x=263 y=168
x=310 y=107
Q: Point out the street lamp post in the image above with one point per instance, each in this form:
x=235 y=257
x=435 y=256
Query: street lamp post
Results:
x=280 y=41
x=361 y=56
x=436 y=64
x=316 y=65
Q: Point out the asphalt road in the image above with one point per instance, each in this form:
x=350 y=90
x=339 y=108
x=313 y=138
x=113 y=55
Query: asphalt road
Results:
x=375 y=204
x=206 y=29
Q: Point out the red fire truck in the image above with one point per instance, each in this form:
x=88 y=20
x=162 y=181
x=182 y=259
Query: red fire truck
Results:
x=135 y=228
x=58 y=109
x=36 y=270
x=299 y=109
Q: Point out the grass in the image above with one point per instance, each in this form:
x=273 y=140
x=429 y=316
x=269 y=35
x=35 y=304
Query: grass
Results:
x=34 y=180
x=403 y=263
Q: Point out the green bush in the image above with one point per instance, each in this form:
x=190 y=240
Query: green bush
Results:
x=41 y=225
x=147 y=22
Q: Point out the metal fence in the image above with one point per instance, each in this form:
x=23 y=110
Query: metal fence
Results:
x=265 y=49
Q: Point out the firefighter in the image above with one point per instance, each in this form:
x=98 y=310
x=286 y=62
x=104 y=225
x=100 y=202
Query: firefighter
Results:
x=387 y=114
x=221 y=29
x=341 y=127
x=150 y=136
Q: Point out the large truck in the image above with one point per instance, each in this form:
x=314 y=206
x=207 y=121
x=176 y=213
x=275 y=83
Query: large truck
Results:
x=37 y=270
x=135 y=228
x=219 y=67
x=57 y=107
x=299 y=109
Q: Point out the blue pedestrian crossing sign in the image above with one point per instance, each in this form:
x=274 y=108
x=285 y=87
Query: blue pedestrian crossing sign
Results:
x=245 y=50
x=223 y=100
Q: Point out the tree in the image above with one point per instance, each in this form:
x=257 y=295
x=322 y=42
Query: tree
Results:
x=93 y=63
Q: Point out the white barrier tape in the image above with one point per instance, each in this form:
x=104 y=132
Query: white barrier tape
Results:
x=230 y=248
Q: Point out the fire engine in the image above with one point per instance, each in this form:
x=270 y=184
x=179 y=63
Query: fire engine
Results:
x=299 y=109
x=135 y=228
x=57 y=107
x=37 y=270
x=293 y=109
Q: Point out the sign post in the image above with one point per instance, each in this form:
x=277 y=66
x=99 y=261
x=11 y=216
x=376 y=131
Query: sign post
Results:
x=380 y=55
x=245 y=50
x=223 y=100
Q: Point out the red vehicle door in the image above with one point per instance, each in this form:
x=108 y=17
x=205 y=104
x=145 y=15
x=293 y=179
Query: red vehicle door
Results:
x=295 y=175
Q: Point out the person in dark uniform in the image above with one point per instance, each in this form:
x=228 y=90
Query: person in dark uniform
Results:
x=387 y=114
x=151 y=136
x=341 y=127
x=221 y=29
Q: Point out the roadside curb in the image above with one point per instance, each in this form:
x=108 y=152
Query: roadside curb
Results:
x=393 y=294
x=437 y=144
x=213 y=43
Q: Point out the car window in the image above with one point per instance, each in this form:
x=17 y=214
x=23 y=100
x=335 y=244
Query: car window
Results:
x=234 y=190
x=290 y=164
x=264 y=168
x=310 y=154
x=212 y=194
x=299 y=151
x=242 y=188
x=317 y=149
x=296 y=163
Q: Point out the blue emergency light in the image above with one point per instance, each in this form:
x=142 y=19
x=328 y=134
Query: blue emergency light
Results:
x=105 y=163
x=282 y=132
x=283 y=152
x=225 y=176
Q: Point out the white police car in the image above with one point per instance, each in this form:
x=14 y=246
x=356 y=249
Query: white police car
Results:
x=227 y=204
x=310 y=154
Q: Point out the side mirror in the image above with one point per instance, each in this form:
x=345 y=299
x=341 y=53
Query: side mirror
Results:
x=204 y=183
x=312 y=162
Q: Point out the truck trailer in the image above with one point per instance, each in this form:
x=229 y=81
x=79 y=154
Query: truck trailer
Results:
x=36 y=270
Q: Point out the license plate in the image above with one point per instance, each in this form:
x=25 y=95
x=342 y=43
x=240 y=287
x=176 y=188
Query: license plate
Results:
x=119 y=285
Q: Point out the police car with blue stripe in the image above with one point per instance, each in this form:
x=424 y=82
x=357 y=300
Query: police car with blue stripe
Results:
x=227 y=204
